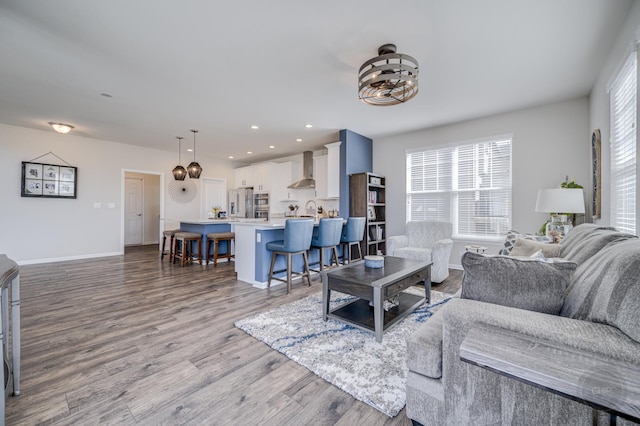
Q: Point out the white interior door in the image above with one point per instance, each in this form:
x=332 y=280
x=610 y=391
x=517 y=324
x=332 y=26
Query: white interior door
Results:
x=214 y=193
x=133 y=202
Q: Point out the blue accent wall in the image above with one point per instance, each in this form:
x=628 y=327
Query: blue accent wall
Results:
x=356 y=156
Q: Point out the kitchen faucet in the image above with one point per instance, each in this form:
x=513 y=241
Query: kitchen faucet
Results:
x=310 y=211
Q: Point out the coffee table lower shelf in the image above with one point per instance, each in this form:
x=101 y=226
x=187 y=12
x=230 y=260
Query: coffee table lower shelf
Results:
x=360 y=314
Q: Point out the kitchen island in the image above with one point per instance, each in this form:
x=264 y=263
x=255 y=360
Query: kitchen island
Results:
x=252 y=257
x=205 y=227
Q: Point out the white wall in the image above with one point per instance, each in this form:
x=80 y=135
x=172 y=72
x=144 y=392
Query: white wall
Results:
x=549 y=143
x=39 y=229
x=599 y=103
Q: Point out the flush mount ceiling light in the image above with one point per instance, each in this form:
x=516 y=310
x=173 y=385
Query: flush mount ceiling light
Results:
x=194 y=168
x=179 y=173
x=61 y=127
x=388 y=79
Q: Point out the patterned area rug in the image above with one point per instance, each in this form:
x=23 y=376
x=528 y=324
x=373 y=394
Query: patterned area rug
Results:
x=345 y=356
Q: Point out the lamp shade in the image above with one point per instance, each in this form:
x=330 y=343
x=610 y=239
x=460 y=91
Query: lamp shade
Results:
x=560 y=200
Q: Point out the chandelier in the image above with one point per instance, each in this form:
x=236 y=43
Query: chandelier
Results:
x=179 y=173
x=194 y=168
x=388 y=79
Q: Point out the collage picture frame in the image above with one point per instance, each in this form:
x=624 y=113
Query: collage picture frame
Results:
x=49 y=180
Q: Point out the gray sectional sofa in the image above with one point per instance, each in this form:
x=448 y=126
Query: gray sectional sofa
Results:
x=588 y=299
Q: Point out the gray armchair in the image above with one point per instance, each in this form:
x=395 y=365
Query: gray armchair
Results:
x=425 y=240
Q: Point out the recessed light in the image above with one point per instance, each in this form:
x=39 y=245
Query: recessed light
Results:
x=249 y=152
x=308 y=126
x=231 y=157
x=189 y=149
x=254 y=127
x=298 y=140
x=271 y=147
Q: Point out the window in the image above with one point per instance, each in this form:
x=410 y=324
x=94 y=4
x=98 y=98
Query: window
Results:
x=468 y=185
x=623 y=147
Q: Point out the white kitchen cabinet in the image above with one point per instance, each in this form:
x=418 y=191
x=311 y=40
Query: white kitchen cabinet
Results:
x=320 y=175
x=244 y=176
x=333 y=170
x=287 y=173
x=264 y=177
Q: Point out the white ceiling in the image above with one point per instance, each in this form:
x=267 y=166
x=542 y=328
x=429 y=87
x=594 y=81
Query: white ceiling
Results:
x=222 y=66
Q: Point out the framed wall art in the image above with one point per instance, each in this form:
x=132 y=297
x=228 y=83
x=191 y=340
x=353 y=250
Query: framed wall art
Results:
x=596 y=174
x=49 y=180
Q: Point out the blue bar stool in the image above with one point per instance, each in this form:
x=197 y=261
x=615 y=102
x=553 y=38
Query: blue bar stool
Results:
x=328 y=237
x=352 y=234
x=297 y=240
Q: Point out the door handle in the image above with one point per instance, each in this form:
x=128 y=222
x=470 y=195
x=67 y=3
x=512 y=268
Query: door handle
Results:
x=139 y=214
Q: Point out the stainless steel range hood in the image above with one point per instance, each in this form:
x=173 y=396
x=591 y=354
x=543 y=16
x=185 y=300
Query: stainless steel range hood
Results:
x=307 y=171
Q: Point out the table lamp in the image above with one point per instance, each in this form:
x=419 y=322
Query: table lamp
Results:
x=559 y=202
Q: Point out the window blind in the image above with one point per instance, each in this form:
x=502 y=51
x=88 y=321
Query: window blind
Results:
x=468 y=185
x=623 y=147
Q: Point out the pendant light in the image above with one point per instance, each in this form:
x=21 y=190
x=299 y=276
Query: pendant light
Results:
x=179 y=173
x=194 y=168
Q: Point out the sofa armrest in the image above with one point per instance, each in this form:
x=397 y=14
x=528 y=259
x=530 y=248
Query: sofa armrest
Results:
x=396 y=242
x=476 y=393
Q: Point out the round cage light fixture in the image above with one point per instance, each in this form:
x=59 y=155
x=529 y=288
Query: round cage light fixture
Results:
x=388 y=79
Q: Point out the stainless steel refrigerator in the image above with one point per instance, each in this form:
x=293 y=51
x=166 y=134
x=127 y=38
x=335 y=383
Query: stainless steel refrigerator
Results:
x=240 y=203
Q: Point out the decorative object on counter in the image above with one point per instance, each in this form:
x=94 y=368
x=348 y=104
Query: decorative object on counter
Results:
x=375 y=262
x=182 y=192
x=179 y=172
x=194 y=168
x=49 y=180
x=293 y=210
x=388 y=79
x=215 y=212
x=61 y=127
x=560 y=202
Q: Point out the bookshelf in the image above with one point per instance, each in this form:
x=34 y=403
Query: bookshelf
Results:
x=367 y=198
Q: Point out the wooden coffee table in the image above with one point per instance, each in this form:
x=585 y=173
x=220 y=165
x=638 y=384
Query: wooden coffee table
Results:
x=376 y=285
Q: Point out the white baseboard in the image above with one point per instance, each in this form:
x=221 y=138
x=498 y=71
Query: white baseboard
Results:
x=63 y=259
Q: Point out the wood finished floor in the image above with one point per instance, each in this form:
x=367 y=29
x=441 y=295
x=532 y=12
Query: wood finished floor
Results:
x=132 y=340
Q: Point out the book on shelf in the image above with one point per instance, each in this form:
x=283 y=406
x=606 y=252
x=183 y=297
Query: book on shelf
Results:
x=373 y=197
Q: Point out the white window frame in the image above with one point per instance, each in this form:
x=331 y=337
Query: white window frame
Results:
x=451 y=197
x=623 y=97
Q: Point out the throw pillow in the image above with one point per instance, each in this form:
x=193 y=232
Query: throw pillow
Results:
x=511 y=237
x=607 y=290
x=524 y=247
x=516 y=282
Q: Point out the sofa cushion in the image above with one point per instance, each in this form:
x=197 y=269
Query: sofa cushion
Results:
x=424 y=348
x=415 y=253
x=606 y=288
x=523 y=247
x=529 y=284
x=587 y=239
